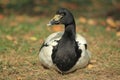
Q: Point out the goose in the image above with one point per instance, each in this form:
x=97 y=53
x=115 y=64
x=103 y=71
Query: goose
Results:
x=64 y=51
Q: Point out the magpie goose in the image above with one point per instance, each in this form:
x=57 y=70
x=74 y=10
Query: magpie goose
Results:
x=64 y=51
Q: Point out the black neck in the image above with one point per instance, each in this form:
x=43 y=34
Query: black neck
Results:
x=70 y=31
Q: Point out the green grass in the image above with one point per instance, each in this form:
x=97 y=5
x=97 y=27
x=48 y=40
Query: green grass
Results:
x=19 y=55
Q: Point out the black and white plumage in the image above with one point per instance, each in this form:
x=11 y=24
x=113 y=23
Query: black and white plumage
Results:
x=64 y=51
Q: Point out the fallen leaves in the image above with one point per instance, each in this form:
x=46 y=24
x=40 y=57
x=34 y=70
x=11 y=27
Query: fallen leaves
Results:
x=111 y=22
x=1 y=16
x=113 y=25
x=19 y=78
x=92 y=22
x=93 y=61
x=33 y=38
x=118 y=34
x=108 y=28
x=30 y=36
x=9 y=37
x=89 y=21
x=82 y=20
x=12 y=38
x=92 y=64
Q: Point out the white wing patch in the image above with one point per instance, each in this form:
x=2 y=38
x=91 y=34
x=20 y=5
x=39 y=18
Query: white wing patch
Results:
x=53 y=37
x=46 y=51
x=80 y=39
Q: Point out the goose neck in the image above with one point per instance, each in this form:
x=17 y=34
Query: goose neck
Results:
x=70 y=31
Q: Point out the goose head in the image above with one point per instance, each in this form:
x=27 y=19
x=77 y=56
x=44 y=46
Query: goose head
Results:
x=62 y=16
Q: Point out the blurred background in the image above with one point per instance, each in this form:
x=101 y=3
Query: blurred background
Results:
x=23 y=29
x=46 y=7
x=109 y=9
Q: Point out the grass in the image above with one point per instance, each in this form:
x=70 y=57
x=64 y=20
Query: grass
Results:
x=22 y=36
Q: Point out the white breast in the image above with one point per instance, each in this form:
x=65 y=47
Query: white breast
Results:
x=46 y=51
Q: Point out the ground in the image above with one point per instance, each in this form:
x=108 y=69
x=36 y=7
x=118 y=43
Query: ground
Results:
x=22 y=36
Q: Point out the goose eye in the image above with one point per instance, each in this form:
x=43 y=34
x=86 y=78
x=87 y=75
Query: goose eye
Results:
x=63 y=14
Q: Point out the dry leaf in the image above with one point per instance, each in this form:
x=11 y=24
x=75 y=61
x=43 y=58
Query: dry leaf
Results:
x=33 y=38
x=91 y=22
x=1 y=16
x=93 y=61
x=90 y=66
x=82 y=20
x=111 y=22
x=9 y=37
x=29 y=36
x=108 y=28
x=19 y=78
x=15 y=42
x=118 y=34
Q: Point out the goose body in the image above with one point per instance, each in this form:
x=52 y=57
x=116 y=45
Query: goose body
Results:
x=64 y=51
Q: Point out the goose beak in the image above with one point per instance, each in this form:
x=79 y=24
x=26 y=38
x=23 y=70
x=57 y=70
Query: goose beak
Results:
x=55 y=20
x=51 y=22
